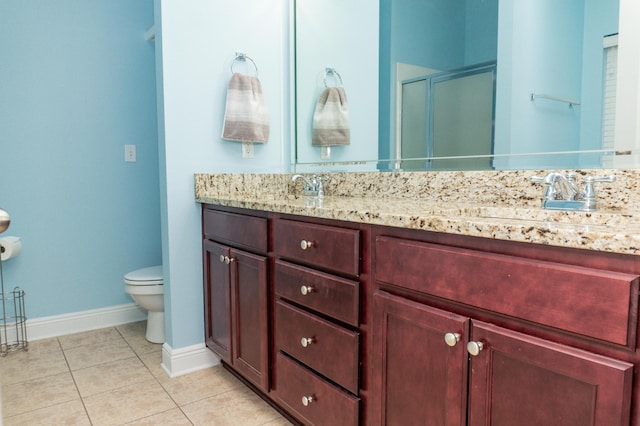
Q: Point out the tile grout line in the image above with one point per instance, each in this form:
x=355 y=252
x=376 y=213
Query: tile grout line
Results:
x=131 y=339
x=75 y=383
x=39 y=378
x=157 y=381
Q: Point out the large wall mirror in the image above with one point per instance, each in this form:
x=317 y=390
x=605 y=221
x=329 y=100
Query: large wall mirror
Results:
x=465 y=84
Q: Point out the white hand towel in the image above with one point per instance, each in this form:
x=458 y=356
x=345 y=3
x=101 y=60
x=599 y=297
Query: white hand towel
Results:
x=246 y=118
x=331 y=118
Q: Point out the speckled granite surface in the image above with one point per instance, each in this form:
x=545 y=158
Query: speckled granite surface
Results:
x=494 y=204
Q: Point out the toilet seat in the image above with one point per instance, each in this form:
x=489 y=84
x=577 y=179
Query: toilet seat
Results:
x=145 y=277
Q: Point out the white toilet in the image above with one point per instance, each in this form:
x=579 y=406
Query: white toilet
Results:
x=146 y=287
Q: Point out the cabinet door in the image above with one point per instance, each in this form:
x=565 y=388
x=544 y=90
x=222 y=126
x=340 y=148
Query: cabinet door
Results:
x=418 y=378
x=250 y=319
x=217 y=300
x=523 y=380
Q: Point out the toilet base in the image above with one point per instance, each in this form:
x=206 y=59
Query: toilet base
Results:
x=155 y=327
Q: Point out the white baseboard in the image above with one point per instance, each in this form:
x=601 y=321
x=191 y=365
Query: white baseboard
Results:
x=76 y=322
x=177 y=362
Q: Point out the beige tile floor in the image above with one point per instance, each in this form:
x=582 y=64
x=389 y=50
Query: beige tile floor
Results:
x=113 y=376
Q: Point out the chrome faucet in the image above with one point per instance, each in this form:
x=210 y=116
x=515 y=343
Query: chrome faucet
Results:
x=561 y=192
x=559 y=186
x=312 y=185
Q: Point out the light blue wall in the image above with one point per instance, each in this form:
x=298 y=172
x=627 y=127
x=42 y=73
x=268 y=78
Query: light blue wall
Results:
x=442 y=34
x=481 y=31
x=600 y=19
x=198 y=42
x=539 y=51
x=346 y=46
x=428 y=33
x=77 y=83
x=555 y=48
x=435 y=34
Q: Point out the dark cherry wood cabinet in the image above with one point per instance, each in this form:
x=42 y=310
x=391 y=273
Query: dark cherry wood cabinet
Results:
x=465 y=335
x=313 y=400
x=419 y=378
x=538 y=382
x=236 y=298
x=424 y=371
x=217 y=296
x=349 y=324
x=316 y=310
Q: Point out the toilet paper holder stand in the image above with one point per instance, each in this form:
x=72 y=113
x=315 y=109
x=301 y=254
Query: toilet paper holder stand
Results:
x=13 y=320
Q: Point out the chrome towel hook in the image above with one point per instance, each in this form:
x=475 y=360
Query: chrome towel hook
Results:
x=332 y=72
x=243 y=57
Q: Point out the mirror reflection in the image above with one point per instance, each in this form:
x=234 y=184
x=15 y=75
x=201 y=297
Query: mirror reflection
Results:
x=460 y=84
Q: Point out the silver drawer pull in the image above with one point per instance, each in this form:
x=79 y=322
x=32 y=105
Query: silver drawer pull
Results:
x=452 y=339
x=304 y=244
x=222 y=256
x=306 y=289
x=474 y=348
x=306 y=341
x=306 y=400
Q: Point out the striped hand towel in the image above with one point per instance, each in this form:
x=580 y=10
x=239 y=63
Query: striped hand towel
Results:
x=331 y=118
x=246 y=118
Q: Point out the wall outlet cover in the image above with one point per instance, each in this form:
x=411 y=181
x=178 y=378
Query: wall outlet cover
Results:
x=130 y=153
x=247 y=150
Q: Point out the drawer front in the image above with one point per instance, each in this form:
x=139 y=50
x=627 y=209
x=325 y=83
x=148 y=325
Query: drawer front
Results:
x=592 y=302
x=328 y=247
x=236 y=229
x=336 y=297
x=332 y=351
x=329 y=405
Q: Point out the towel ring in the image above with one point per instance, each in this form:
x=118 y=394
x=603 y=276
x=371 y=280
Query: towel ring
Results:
x=243 y=57
x=333 y=72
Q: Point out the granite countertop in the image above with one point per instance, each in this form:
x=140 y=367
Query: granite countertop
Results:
x=612 y=230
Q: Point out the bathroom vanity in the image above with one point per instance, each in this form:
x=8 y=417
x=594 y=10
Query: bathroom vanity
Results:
x=391 y=311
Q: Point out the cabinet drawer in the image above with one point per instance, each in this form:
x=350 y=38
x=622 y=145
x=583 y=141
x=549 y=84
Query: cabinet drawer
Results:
x=332 y=352
x=328 y=247
x=329 y=405
x=592 y=302
x=336 y=297
x=236 y=229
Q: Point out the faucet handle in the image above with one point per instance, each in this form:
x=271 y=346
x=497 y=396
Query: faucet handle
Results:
x=591 y=179
x=589 y=192
x=550 y=191
x=320 y=178
x=317 y=181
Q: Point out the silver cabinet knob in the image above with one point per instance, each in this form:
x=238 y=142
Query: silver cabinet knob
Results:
x=452 y=339
x=306 y=289
x=306 y=400
x=474 y=348
x=222 y=256
x=306 y=341
x=304 y=244
x=228 y=259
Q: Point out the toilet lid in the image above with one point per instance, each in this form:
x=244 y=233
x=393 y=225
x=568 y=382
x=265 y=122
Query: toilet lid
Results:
x=145 y=276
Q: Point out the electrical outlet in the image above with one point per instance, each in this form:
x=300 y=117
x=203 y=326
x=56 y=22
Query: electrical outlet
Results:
x=130 y=153
x=325 y=152
x=247 y=150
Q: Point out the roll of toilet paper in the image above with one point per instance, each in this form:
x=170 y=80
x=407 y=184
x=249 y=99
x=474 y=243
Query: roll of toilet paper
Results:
x=10 y=247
